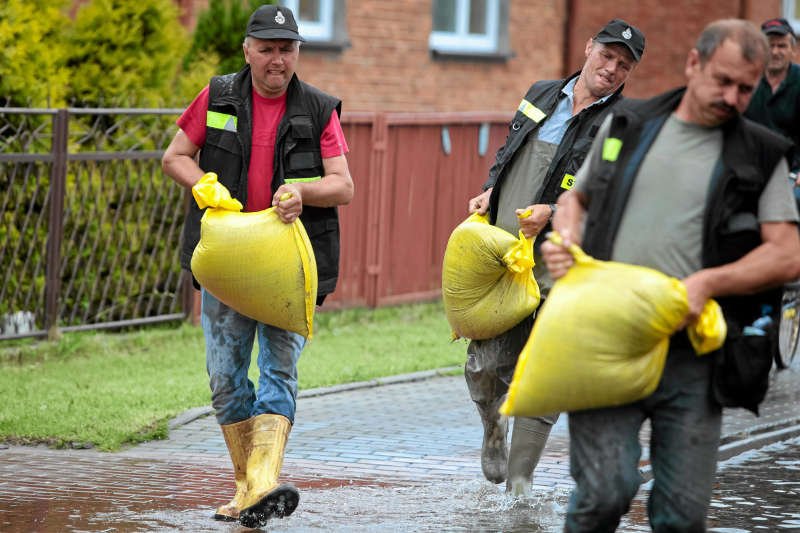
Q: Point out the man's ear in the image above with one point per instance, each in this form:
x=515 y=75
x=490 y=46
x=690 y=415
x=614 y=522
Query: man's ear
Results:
x=692 y=62
x=588 y=49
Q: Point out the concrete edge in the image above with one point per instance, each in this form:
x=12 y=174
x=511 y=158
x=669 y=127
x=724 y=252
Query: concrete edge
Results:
x=190 y=415
x=741 y=442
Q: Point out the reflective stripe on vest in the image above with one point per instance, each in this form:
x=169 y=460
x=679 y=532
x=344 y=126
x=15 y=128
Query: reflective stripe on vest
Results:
x=531 y=111
x=220 y=121
x=611 y=148
x=301 y=180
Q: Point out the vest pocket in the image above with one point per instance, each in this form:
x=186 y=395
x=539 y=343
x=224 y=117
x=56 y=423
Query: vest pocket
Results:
x=222 y=140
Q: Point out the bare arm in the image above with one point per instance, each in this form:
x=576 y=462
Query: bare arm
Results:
x=774 y=262
x=178 y=161
x=335 y=188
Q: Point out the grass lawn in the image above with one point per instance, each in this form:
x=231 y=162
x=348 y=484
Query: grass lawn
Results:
x=109 y=389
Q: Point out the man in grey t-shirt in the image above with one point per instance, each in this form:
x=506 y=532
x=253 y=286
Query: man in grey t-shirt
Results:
x=679 y=157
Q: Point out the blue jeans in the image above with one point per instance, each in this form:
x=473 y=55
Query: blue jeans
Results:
x=229 y=344
x=685 y=431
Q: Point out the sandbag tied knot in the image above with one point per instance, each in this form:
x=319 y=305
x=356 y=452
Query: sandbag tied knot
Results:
x=709 y=331
x=519 y=257
x=209 y=192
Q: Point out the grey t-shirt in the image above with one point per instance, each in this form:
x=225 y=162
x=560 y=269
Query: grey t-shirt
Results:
x=664 y=230
x=524 y=179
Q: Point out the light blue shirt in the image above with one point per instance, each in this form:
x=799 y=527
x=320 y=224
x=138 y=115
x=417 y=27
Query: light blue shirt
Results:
x=555 y=126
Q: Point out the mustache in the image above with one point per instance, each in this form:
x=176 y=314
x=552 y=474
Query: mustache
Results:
x=724 y=107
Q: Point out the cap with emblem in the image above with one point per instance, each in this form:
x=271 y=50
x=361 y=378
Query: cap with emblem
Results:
x=777 y=26
x=619 y=31
x=273 y=22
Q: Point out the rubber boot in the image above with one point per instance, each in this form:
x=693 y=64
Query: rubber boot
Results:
x=494 y=451
x=528 y=439
x=265 y=498
x=236 y=440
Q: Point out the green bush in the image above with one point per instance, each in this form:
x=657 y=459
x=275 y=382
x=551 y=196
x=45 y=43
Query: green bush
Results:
x=220 y=32
x=33 y=71
x=124 y=53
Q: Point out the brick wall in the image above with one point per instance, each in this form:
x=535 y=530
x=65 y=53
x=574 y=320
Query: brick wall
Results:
x=670 y=29
x=388 y=66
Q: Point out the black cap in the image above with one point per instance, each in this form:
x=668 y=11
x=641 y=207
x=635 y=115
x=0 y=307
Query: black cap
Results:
x=619 y=31
x=273 y=22
x=777 y=26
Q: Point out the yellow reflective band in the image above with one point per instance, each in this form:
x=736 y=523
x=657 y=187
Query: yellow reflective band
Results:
x=220 y=121
x=568 y=181
x=531 y=111
x=301 y=180
x=611 y=148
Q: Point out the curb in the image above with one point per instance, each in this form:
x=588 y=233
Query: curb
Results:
x=190 y=415
x=737 y=443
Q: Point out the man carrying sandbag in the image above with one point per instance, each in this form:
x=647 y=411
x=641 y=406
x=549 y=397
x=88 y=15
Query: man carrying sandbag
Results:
x=548 y=140
x=265 y=133
x=683 y=184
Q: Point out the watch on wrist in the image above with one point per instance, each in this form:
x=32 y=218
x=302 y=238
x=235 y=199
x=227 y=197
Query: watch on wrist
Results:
x=553 y=208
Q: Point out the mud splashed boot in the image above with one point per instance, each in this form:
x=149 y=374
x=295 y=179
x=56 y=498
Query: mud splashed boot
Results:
x=494 y=451
x=265 y=498
x=528 y=439
x=236 y=436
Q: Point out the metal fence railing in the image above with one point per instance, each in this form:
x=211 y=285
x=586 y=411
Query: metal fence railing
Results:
x=90 y=227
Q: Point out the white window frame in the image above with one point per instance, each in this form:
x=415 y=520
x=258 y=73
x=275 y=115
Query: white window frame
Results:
x=312 y=30
x=461 y=40
x=791 y=12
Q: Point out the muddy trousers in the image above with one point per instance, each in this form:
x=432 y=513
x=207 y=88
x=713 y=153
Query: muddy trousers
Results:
x=685 y=431
x=488 y=372
x=229 y=340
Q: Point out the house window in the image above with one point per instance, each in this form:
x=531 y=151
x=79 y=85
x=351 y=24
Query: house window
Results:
x=320 y=22
x=466 y=26
x=791 y=12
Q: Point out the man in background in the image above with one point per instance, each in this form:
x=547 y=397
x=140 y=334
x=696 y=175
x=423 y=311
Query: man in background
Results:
x=776 y=101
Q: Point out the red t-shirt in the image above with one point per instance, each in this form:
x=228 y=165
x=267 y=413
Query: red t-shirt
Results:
x=267 y=115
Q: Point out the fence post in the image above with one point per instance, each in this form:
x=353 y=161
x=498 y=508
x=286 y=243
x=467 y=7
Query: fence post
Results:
x=375 y=213
x=55 y=233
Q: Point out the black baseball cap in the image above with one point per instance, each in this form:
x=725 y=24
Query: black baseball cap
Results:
x=273 y=22
x=777 y=26
x=619 y=31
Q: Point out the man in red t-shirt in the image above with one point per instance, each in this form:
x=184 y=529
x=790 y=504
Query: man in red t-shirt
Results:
x=265 y=133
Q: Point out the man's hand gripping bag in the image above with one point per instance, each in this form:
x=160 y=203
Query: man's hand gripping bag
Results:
x=601 y=338
x=487 y=279
x=253 y=262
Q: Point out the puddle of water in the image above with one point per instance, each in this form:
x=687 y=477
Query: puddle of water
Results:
x=755 y=491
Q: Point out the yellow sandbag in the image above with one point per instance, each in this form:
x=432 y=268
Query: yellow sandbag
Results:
x=487 y=279
x=601 y=338
x=253 y=262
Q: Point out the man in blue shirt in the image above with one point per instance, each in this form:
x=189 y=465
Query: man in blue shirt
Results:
x=548 y=139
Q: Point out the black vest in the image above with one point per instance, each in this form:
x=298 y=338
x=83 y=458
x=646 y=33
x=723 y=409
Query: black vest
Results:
x=571 y=152
x=750 y=153
x=297 y=155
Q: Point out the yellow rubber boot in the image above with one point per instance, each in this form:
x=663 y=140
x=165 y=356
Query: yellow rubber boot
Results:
x=264 y=497
x=236 y=435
